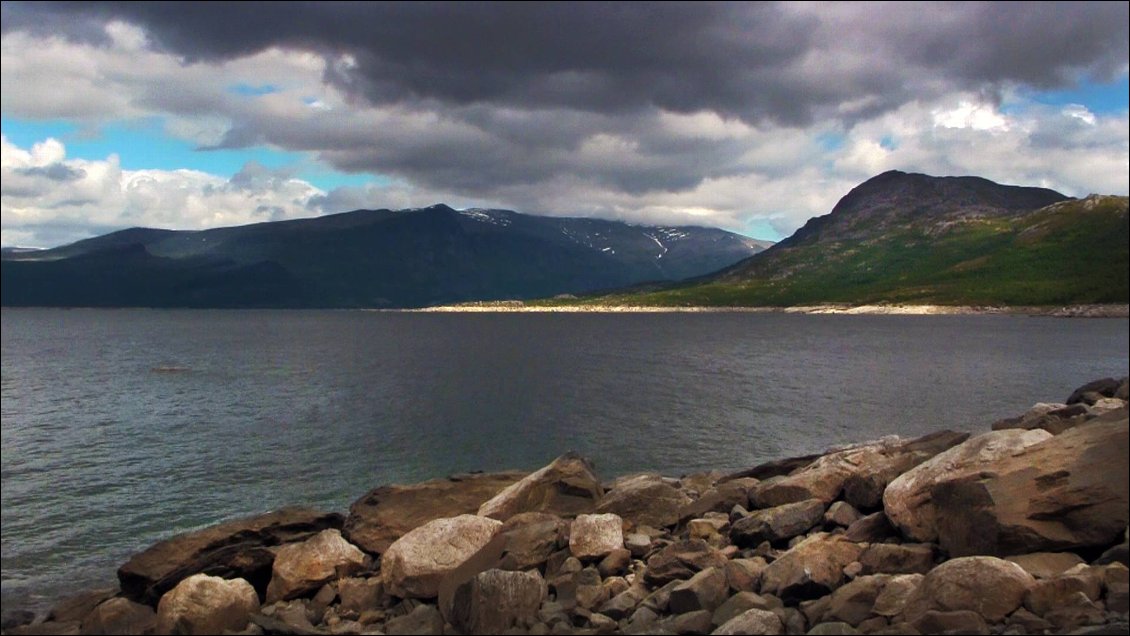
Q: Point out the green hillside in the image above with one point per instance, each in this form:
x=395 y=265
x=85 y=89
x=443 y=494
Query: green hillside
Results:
x=1071 y=252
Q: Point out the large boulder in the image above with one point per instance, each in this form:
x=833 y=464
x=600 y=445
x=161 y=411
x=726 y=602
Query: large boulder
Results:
x=1070 y=491
x=860 y=472
x=811 y=569
x=203 y=604
x=566 y=487
x=777 y=523
x=415 y=565
x=384 y=514
x=235 y=549
x=908 y=501
x=991 y=587
x=496 y=600
x=304 y=567
x=645 y=500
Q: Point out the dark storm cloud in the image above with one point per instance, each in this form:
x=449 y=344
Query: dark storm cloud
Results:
x=54 y=172
x=782 y=63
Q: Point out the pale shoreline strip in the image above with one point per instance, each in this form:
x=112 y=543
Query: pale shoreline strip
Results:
x=1070 y=311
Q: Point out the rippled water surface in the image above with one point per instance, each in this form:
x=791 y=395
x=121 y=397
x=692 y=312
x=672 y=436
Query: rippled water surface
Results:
x=121 y=427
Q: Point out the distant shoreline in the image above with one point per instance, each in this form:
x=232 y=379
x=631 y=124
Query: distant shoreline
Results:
x=1068 y=311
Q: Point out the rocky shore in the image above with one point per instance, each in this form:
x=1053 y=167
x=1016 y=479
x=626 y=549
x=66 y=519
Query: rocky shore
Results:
x=1019 y=530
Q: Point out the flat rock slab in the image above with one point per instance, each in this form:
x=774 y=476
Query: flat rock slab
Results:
x=385 y=514
x=234 y=549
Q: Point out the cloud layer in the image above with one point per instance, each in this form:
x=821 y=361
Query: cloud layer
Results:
x=729 y=114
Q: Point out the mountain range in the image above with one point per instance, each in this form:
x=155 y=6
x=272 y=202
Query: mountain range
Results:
x=365 y=258
x=918 y=239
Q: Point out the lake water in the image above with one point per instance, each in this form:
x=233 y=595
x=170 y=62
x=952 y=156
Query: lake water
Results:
x=122 y=427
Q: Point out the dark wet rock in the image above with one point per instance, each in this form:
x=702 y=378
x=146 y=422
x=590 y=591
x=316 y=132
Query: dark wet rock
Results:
x=385 y=514
x=1105 y=387
x=777 y=523
x=235 y=549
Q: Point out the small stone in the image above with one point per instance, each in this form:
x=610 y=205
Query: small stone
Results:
x=744 y=575
x=638 y=544
x=777 y=523
x=1028 y=622
x=741 y=602
x=358 y=594
x=872 y=528
x=832 y=628
x=1073 y=611
x=615 y=562
x=955 y=622
x=696 y=622
x=841 y=513
x=898 y=590
x=908 y=558
x=424 y=619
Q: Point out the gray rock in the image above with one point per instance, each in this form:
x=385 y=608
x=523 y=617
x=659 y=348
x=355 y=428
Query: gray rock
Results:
x=496 y=600
x=1105 y=387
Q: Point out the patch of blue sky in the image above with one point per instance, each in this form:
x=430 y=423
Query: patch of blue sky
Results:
x=1099 y=98
x=249 y=90
x=830 y=141
x=144 y=145
x=889 y=142
x=761 y=229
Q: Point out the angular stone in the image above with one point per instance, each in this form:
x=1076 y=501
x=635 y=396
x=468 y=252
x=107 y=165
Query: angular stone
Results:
x=1044 y=565
x=853 y=603
x=991 y=587
x=384 y=514
x=898 y=590
x=741 y=602
x=887 y=558
x=1047 y=594
x=638 y=544
x=908 y=500
x=811 y=569
x=680 y=561
x=868 y=468
x=203 y=604
x=645 y=500
x=754 y=621
x=300 y=568
x=566 y=487
x=595 y=536
x=719 y=498
x=703 y=591
x=1076 y=610
x=422 y=620
x=951 y=622
x=777 y=523
x=120 y=616
x=841 y=513
x=744 y=575
x=358 y=594
x=872 y=528
x=590 y=591
x=1070 y=491
x=1040 y=415
x=531 y=537
x=497 y=600
x=696 y=622
x=709 y=530
x=235 y=549
x=415 y=564
x=623 y=604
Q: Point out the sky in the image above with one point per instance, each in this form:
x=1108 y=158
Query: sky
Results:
x=753 y=117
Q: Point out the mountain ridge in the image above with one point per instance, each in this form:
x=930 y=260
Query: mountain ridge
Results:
x=365 y=258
